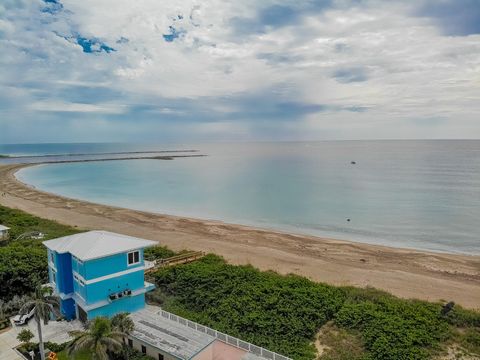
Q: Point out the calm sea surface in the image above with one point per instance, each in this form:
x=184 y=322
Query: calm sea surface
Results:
x=418 y=194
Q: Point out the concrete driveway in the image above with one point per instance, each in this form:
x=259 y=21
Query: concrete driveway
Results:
x=55 y=331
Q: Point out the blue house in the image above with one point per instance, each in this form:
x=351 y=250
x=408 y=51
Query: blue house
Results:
x=98 y=273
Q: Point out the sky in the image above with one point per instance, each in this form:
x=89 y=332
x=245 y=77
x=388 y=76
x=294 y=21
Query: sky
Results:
x=214 y=70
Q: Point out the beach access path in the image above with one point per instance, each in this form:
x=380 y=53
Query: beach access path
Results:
x=402 y=272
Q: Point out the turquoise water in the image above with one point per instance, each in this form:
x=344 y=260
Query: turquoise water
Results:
x=417 y=194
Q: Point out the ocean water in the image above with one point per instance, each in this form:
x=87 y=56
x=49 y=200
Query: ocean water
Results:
x=414 y=194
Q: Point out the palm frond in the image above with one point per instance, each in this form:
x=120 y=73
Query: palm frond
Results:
x=52 y=298
x=117 y=334
x=123 y=323
x=81 y=342
x=27 y=307
x=75 y=333
x=55 y=311
x=111 y=344
x=101 y=352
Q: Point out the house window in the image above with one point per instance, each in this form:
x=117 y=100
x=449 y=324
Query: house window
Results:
x=130 y=343
x=144 y=349
x=54 y=277
x=160 y=357
x=133 y=257
x=52 y=257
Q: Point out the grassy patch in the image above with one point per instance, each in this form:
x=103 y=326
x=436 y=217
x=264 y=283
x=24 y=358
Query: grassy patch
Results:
x=20 y=222
x=81 y=355
x=340 y=344
x=470 y=340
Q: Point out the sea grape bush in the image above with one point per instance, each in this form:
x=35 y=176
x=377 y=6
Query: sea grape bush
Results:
x=22 y=268
x=395 y=329
x=158 y=252
x=281 y=313
x=284 y=313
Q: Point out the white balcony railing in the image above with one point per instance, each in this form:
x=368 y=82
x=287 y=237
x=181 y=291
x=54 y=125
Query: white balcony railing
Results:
x=254 y=349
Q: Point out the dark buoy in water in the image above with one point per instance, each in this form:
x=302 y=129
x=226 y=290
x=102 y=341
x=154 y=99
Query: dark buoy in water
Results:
x=352 y=162
x=348 y=220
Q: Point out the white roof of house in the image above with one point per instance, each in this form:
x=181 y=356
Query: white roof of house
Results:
x=96 y=244
x=3 y=228
x=169 y=336
x=185 y=339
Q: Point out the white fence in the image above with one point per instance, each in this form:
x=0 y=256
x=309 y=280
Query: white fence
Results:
x=254 y=349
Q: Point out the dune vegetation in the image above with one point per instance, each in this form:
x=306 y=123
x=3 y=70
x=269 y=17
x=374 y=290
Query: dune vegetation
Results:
x=287 y=314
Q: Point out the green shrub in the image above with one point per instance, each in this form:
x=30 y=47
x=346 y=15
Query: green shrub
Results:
x=463 y=318
x=12 y=306
x=130 y=354
x=56 y=348
x=25 y=336
x=395 y=329
x=21 y=269
x=281 y=313
x=4 y=323
x=158 y=252
x=23 y=263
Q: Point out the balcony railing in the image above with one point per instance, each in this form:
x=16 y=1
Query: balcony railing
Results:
x=254 y=349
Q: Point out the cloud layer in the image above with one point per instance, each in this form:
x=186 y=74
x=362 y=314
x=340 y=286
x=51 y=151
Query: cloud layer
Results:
x=119 y=70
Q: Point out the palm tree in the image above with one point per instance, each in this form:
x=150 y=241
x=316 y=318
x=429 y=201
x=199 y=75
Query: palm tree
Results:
x=99 y=338
x=121 y=322
x=43 y=304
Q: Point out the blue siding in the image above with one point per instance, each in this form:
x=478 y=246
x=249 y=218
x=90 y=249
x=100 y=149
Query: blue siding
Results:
x=101 y=290
x=73 y=275
x=78 y=266
x=64 y=273
x=108 y=265
x=80 y=289
x=67 y=307
x=126 y=304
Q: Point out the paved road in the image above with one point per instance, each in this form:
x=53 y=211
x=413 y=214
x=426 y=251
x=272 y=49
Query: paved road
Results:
x=8 y=340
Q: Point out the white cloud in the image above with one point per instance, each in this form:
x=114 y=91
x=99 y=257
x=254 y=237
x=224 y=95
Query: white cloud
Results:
x=374 y=55
x=57 y=106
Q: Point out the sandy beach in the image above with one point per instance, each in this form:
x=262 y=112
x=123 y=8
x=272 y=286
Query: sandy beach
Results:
x=403 y=272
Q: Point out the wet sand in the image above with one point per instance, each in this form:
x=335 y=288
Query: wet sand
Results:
x=402 y=272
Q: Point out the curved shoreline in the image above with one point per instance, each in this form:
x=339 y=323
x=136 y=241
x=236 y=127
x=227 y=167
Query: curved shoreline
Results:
x=403 y=272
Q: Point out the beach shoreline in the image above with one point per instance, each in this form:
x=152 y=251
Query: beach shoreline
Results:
x=403 y=272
